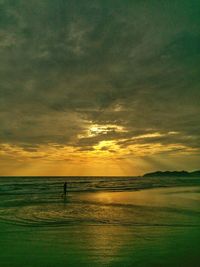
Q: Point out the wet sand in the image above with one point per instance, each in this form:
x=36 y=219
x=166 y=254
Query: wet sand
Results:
x=155 y=227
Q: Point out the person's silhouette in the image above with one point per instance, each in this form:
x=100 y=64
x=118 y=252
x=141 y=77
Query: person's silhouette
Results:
x=65 y=188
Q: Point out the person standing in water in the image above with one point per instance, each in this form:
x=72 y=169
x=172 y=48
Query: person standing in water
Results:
x=65 y=188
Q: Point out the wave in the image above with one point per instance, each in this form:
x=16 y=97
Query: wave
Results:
x=39 y=203
x=25 y=186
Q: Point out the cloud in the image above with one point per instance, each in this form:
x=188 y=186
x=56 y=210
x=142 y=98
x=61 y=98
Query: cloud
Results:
x=65 y=66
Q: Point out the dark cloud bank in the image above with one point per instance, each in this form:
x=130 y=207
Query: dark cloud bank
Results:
x=65 y=64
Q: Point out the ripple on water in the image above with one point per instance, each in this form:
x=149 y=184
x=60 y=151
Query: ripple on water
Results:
x=63 y=213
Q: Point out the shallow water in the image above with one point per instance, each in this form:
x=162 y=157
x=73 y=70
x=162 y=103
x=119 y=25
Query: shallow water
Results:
x=97 y=225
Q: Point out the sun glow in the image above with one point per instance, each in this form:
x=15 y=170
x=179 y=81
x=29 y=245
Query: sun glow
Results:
x=96 y=129
x=99 y=150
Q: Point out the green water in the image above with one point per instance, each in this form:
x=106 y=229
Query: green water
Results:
x=100 y=246
x=157 y=227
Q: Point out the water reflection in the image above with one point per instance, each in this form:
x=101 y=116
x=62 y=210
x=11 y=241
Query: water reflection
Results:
x=103 y=229
x=145 y=208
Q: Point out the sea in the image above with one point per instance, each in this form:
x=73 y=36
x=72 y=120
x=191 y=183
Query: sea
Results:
x=102 y=221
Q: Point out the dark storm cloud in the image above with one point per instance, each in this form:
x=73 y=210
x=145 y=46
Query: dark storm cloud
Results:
x=130 y=63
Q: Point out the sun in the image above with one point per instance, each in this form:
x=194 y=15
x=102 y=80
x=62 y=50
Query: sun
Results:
x=95 y=129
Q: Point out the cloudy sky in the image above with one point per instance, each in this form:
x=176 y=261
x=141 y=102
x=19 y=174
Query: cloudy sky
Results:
x=99 y=87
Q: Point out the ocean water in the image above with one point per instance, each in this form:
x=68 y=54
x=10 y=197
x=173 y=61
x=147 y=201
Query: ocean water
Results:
x=103 y=221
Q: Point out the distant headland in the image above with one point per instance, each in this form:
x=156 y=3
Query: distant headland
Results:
x=172 y=174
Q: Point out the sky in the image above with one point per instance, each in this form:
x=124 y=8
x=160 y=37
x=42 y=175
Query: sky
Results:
x=99 y=87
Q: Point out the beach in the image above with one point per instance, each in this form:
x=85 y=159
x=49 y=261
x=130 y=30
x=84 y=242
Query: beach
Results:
x=147 y=227
x=99 y=133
